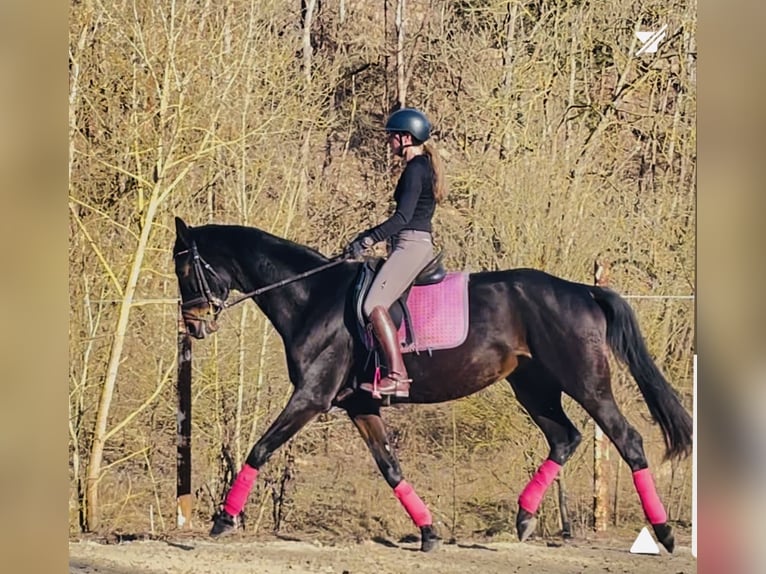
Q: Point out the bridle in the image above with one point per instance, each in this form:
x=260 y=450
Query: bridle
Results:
x=206 y=295
x=216 y=303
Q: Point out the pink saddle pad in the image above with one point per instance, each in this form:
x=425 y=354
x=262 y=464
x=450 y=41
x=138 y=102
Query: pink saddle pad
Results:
x=439 y=314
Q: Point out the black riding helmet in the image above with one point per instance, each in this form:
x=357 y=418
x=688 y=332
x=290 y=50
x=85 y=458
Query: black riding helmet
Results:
x=411 y=121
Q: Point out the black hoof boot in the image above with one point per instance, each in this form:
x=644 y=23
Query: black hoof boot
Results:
x=526 y=522
x=223 y=523
x=664 y=534
x=429 y=540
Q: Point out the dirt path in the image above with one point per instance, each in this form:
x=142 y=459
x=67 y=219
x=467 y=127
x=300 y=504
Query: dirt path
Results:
x=199 y=555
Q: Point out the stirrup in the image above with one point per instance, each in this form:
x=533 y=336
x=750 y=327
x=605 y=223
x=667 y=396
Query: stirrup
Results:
x=387 y=386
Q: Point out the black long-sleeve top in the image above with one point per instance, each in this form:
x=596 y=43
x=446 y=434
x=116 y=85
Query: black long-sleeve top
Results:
x=415 y=202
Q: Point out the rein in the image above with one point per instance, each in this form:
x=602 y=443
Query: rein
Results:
x=332 y=263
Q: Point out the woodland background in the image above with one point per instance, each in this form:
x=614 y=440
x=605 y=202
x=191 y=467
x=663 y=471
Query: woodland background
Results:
x=561 y=146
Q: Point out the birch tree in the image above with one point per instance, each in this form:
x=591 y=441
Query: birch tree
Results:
x=156 y=157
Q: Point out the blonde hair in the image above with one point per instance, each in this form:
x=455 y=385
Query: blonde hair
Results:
x=440 y=185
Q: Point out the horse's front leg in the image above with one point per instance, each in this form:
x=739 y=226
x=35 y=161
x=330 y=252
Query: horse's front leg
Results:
x=304 y=404
x=366 y=416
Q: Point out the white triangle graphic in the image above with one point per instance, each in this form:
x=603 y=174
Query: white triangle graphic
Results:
x=644 y=543
x=650 y=41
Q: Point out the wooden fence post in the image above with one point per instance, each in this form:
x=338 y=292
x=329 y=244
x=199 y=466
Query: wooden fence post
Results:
x=600 y=446
x=183 y=428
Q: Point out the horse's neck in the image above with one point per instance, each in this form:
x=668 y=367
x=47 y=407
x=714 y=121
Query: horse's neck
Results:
x=284 y=305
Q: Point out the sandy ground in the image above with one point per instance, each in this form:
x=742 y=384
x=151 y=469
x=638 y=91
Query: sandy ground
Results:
x=197 y=554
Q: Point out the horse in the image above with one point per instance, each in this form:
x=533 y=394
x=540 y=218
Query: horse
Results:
x=544 y=335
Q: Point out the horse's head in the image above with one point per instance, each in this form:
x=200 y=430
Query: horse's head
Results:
x=203 y=289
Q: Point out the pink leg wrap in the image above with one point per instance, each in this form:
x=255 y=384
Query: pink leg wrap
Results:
x=412 y=503
x=243 y=484
x=653 y=508
x=533 y=493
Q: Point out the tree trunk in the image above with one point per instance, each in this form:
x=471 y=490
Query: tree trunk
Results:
x=306 y=146
x=510 y=32
x=115 y=354
x=400 y=76
x=308 y=18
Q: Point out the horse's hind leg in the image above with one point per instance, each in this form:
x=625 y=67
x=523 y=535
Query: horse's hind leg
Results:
x=540 y=395
x=594 y=393
x=366 y=416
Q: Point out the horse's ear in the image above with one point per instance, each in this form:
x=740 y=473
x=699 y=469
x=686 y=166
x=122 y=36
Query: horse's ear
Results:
x=182 y=232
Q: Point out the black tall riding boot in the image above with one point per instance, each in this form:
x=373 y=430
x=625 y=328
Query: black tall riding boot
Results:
x=396 y=381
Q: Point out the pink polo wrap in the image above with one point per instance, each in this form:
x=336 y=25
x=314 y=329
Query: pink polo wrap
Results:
x=412 y=503
x=650 y=500
x=243 y=484
x=533 y=493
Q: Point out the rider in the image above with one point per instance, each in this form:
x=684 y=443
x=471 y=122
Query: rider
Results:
x=420 y=187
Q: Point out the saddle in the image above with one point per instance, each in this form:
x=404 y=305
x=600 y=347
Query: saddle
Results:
x=433 y=273
x=449 y=290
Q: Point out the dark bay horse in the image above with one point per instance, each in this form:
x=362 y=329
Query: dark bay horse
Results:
x=544 y=335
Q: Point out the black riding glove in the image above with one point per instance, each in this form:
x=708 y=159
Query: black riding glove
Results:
x=356 y=248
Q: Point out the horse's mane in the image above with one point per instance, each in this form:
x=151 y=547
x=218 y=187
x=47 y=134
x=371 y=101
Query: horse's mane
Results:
x=235 y=237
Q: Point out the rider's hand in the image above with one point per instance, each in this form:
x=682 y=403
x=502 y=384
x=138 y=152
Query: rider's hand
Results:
x=356 y=248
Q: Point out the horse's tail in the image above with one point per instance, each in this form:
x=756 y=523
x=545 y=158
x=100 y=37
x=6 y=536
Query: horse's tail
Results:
x=624 y=338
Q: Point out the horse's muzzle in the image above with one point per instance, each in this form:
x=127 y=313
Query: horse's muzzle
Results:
x=200 y=328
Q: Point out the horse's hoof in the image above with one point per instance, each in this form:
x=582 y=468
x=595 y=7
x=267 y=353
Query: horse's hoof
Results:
x=223 y=524
x=429 y=540
x=526 y=522
x=664 y=534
